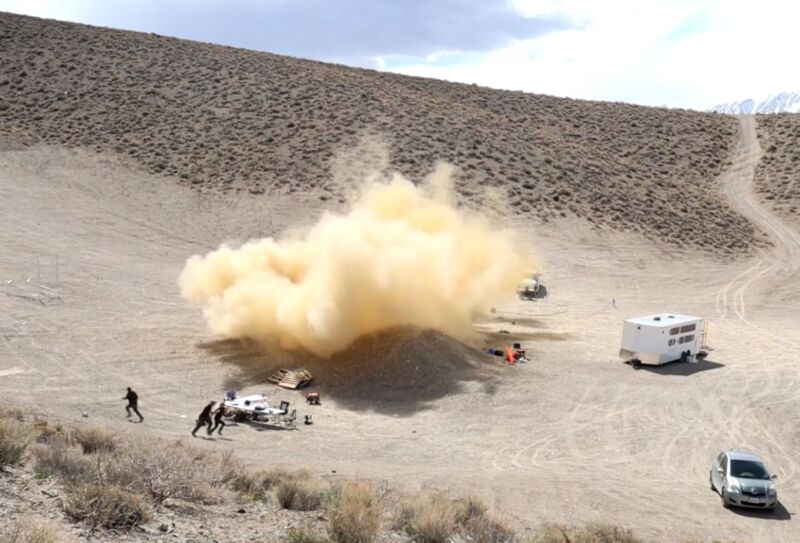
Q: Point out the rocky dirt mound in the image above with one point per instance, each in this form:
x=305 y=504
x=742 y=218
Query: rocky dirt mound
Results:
x=229 y=119
x=400 y=370
x=777 y=176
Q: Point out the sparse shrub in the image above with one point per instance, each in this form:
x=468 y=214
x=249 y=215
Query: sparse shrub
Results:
x=46 y=432
x=355 y=514
x=469 y=508
x=592 y=533
x=30 y=530
x=477 y=525
x=14 y=441
x=57 y=458
x=106 y=506
x=428 y=519
x=303 y=535
x=170 y=472
x=485 y=529
x=16 y=414
x=298 y=494
x=93 y=439
x=257 y=485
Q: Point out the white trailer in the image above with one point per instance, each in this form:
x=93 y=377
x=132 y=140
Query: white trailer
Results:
x=658 y=339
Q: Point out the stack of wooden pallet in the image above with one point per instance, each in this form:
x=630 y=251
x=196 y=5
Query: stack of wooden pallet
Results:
x=294 y=378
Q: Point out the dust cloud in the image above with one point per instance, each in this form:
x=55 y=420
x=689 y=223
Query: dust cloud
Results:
x=402 y=255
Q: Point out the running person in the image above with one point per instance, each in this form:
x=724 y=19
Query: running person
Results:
x=218 y=422
x=204 y=419
x=133 y=403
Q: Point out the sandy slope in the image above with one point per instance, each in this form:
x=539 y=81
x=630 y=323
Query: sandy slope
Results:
x=229 y=120
x=573 y=436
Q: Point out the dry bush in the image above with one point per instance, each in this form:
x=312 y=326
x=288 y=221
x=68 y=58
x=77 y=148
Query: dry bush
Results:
x=176 y=471
x=12 y=413
x=46 y=432
x=256 y=485
x=478 y=526
x=31 y=530
x=592 y=533
x=485 y=529
x=428 y=519
x=298 y=493
x=59 y=459
x=106 y=506
x=469 y=508
x=14 y=440
x=303 y=535
x=93 y=439
x=355 y=514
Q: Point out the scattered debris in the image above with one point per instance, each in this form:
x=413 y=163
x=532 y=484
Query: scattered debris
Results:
x=308 y=420
x=312 y=398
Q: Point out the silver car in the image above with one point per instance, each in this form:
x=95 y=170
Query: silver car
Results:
x=742 y=479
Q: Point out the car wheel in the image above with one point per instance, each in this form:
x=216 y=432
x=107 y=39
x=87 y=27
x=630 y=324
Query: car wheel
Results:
x=711 y=482
x=723 y=498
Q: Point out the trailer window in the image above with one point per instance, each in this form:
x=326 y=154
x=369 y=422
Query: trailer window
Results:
x=686 y=339
x=671 y=342
x=688 y=328
x=674 y=331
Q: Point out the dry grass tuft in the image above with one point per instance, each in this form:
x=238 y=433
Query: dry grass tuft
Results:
x=106 y=506
x=45 y=432
x=428 y=519
x=257 y=485
x=31 y=530
x=15 y=438
x=94 y=439
x=355 y=514
x=592 y=533
x=298 y=493
x=57 y=458
x=303 y=535
x=476 y=524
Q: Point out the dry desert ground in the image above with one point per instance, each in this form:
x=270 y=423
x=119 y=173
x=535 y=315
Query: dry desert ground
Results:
x=573 y=436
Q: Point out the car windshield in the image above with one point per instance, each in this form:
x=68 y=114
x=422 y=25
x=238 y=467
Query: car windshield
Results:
x=748 y=469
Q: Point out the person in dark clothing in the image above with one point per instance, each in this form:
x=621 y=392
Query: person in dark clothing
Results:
x=204 y=419
x=218 y=422
x=133 y=403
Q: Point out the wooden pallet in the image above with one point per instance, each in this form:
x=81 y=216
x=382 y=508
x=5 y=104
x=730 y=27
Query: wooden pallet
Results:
x=292 y=379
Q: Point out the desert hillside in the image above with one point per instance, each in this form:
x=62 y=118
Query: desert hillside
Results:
x=777 y=177
x=124 y=154
x=227 y=119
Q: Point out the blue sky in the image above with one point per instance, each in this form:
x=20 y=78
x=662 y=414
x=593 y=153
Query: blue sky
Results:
x=679 y=53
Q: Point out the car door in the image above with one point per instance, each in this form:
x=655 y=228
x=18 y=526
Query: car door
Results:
x=719 y=470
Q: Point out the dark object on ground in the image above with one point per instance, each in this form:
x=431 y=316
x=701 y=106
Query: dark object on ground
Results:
x=312 y=398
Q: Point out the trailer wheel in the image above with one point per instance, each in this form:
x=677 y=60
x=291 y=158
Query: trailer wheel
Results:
x=636 y=364
x=684 y=356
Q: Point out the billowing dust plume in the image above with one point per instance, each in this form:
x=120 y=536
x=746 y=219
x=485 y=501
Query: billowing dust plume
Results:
x=403 y=255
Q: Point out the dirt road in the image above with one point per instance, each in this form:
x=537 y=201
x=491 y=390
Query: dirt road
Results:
x=573 y=436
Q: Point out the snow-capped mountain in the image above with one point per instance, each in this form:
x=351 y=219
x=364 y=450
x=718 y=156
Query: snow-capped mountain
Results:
x=788 y=102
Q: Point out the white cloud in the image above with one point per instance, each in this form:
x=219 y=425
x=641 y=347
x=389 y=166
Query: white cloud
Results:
x=681 y=54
